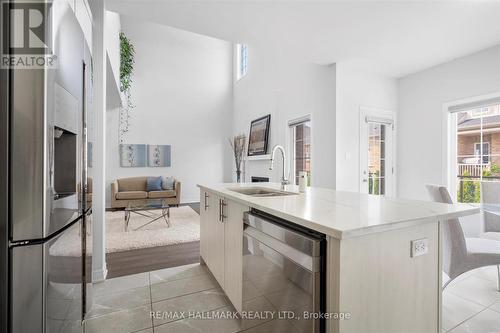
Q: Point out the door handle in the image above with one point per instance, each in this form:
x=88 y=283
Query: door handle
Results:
x=206 y=204
x=365 y=180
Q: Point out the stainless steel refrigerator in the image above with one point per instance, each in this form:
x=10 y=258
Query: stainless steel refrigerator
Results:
x=43 y=183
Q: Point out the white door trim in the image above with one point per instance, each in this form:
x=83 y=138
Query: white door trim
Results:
x=365 y=111
x=290 y=144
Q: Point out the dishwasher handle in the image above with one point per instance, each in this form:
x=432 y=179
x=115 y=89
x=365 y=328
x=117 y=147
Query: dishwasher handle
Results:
x=312 y=264
x=305 y=243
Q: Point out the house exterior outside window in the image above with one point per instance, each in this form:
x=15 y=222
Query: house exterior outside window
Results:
x=478 y=150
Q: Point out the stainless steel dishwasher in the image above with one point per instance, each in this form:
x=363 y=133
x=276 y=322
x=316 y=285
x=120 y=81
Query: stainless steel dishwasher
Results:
x=284 y=266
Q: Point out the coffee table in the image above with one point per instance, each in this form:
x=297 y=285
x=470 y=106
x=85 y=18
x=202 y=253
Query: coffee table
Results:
x=145 y=208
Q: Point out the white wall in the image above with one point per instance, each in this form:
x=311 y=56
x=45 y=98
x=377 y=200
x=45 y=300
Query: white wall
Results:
x=357 y=88
x=421 y=99
x=182 y=92
x=288 y=89
x=112 y=31
x=97 y=135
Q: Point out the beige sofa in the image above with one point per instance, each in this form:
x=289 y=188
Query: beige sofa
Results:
x=126 y=190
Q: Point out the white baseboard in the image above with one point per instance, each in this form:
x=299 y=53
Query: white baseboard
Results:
x=99 y=275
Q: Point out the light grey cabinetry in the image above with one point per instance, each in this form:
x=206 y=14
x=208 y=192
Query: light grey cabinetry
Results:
x=221 y=242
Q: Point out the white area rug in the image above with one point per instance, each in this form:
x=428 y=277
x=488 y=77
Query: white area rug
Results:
x=185 y=227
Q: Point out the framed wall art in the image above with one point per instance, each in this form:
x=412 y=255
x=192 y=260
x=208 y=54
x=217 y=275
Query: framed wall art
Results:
x=159 y=156
x=132 y=155
x=259 y=136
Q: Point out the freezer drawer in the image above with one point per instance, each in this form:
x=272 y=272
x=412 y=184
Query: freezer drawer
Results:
x=27 y=291
x=64 y=281
x=46 y=281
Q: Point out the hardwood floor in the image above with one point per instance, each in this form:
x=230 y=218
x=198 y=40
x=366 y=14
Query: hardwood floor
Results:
x=195 y=206
x=68 y=269
x=150 y=259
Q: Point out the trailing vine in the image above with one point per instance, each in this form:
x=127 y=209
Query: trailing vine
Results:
x=127 y=53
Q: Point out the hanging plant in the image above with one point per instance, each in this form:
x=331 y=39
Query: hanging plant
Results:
x=127 y=61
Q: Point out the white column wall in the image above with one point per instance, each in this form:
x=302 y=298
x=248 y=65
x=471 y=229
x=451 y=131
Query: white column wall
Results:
x=99 y=270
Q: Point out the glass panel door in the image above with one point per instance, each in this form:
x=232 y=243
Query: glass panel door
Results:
x=376 y=158
x=376 y=153
x=301 y=150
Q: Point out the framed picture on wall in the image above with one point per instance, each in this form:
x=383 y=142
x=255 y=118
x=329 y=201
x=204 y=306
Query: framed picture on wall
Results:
x=132 y=155
x=259 y=136
x=159 y=156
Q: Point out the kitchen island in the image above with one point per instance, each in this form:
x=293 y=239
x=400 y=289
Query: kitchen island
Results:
x=381 y=258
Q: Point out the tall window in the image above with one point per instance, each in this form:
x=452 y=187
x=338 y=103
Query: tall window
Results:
x=242 y=60
x=300 y=131
x=477 y=150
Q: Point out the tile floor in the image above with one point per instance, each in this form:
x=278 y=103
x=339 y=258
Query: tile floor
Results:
x=125 y=304
x=471 y=304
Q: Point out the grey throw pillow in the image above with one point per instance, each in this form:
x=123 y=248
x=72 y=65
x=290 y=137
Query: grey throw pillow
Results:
x=168 y=183
x=153 y=184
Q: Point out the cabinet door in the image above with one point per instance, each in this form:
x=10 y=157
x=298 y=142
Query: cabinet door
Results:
x=205 y=216
x=212 y=234
x=233 y=248
x=217 y=241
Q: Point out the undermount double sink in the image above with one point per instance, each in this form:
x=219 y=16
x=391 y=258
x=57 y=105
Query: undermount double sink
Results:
x=261 y=192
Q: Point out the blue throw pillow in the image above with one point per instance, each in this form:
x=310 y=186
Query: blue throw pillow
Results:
x=168 y=183
x=153 y=184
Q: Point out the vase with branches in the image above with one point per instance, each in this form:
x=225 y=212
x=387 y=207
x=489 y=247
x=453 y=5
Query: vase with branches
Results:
x=238 y=145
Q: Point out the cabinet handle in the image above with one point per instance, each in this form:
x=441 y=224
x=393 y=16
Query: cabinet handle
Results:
x=206 y=204
x=222 y=213
x=220 y=210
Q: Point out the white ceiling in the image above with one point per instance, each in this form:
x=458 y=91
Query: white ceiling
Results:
x=394 y=38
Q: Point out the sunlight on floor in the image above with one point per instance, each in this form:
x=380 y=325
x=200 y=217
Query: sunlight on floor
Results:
x=471 y=303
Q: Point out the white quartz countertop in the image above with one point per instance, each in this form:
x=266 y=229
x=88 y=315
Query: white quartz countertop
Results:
x=343 y=214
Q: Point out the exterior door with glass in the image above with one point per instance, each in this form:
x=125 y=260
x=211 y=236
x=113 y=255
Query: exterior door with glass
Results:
x=377 y=152
x=300 y=148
